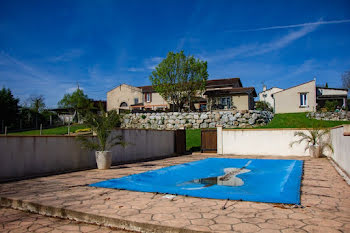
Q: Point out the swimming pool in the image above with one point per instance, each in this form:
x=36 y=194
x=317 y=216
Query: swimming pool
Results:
x=259 y=180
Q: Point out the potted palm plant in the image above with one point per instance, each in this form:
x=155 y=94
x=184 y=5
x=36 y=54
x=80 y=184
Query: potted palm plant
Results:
x=317 y=139
x=102 y=125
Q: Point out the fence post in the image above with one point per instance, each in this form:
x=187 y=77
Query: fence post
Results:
x=68 y=128
x=219 y=140
x=41 y=129
x=5 y=130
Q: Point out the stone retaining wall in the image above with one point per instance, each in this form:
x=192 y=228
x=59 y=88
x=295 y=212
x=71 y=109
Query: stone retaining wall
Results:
x=177 y=120
x=330 y=116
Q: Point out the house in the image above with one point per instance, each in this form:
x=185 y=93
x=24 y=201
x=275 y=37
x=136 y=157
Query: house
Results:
x=127 y=97
x=220 y=94
x=229 y=94
x=266 y=94
x=306 y=97
x=331 y=94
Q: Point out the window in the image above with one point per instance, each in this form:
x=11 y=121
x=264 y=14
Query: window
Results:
x=148 y=97
x=123 y=104
x=303 y=99
x=136 y=100
x=226 y=102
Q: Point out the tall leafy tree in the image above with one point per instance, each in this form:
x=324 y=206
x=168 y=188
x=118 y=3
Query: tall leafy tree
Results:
x=8 y=106
x=77 y=101
x=179 y=78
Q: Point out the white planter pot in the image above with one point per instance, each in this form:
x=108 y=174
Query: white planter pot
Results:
x=315 y=151
x=103 y=159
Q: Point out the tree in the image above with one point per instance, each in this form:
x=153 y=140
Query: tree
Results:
x=8 y=106
x=102 y=125
x=77 y=101
x=37 y=105
x=346 y=79
x=179 y=78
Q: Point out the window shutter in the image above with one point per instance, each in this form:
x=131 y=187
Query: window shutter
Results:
x=150 y=98
x=145 y=98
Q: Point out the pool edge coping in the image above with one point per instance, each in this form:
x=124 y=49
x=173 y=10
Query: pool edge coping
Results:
x=65 y=213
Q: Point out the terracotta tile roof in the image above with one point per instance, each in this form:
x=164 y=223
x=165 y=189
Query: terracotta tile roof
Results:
x=147 y=89
x=236 y=90
x=227 y=82
x=234 y=82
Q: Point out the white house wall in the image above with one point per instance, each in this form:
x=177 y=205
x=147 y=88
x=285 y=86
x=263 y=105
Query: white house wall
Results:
x=288 y=100
x=261 y=142
x=341 y=146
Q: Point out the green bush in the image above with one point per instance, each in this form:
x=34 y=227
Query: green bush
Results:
x=143 y=116
x=331 y=105
x=263 y=106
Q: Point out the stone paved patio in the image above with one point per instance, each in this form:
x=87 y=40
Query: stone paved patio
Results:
x=13 y=221
x=325 y=198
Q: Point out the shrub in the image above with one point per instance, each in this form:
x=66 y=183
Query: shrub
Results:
x=143 y=116
x=83 y=130
x=331 y=105
x=263 y=106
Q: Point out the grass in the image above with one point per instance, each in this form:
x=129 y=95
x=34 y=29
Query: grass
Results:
x=62 y=130
x=285 y=120
x=299 y=120
x=193 y=139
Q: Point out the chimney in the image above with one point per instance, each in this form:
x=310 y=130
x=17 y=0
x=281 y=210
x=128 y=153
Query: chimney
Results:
x=264 y=88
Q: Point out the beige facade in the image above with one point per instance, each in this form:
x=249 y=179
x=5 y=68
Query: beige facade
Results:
x=123 y=94
x=225 y=93
x=266 y=95
x=241 y=102
x=301 y=98
x=156 y=102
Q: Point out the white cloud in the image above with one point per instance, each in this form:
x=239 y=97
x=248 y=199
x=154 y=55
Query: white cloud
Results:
x=67 y=56
x=256 y=49
x=134 y=69
x=25 y=79
x=151 y=63
x=321 y=22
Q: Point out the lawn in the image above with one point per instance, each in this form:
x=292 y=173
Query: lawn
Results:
x=285 y=120
x=299 y=120
x=53 y=131
x=193 y=139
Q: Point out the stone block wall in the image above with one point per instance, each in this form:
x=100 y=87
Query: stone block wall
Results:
x=330 y=116
x=177 y=120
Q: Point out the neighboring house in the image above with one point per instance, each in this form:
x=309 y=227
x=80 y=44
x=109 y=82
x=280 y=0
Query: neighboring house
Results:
x=266 y=94
x=331 y=94
x=219 y=94
x=306 y=97
x=229 y=94
x=126 y=97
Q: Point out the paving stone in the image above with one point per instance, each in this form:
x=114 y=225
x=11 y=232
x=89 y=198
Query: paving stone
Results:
x=220 y=227
x=245 y=227
x=324 y=196
x=41 y=224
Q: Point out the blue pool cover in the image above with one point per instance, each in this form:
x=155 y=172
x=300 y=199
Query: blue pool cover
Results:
x=259 y=180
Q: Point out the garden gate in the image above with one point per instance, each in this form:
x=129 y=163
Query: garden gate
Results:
x=209 y=140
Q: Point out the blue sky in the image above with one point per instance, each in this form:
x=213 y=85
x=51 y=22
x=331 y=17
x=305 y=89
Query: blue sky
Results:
x=47 y=47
